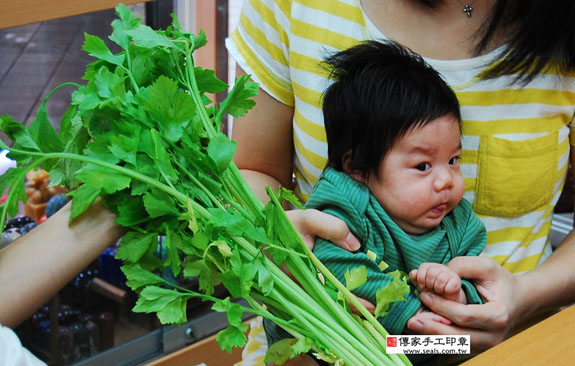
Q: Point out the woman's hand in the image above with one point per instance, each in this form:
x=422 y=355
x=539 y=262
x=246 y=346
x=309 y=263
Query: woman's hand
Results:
x=312 y=223
x=487 y=324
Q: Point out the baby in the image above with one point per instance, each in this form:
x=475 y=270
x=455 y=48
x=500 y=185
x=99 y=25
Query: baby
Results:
x=393 y=176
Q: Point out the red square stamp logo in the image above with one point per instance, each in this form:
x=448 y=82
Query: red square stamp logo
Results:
x=392 y=341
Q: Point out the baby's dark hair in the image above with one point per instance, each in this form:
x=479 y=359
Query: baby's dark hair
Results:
x=381 y=91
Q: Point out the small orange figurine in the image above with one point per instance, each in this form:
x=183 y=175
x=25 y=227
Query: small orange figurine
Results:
x=38 y=192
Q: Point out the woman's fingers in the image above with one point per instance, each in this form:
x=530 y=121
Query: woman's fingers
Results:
x=489 y=316
x=481 y=268
x=480 y=339
x=313 y=223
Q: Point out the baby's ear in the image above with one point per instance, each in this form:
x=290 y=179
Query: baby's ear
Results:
x=346 y=163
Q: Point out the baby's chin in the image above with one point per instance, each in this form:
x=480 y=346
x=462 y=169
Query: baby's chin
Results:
x=422 y=227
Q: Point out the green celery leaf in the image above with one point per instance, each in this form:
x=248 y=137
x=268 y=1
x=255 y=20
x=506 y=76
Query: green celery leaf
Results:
x=137 y=277
x=96 y=47
x=221 y=151
x=103 y=178
x=223 y=306
x=68 y=125
x=194 y=269
x=99 y=149
x=170 y=106
x=86 y=97
x=287 y=195
x=247 y=275
x=279 y=231
x=144 y=36
x=82 y=198
x=196 y=193
x=231 y=337
x=134 y=245
x=174 y=312
x=223 y=248
x=146 y=166
x=200 y=240
x=208 y=82
x=208 y=281
x=170 y=305
x=234 y=314
x=152 y=259
x=303 y=345
x=44 y=133
x=158 y=298
x=236 y=225
x=143 y=67
x=280 y=352
x=208 y=277
x=172 y=243
x=16 y=131
x=196 y=41
x=265 y=278
x=395 y=290
x=76 y=137
x=126 y=22
x=159 y=203
x=211 y=184
x=124 y=146
x=14 y=179
x=238 y=101
x=232 y=283
x=355 y=278
x=158 y=151
x=110 y=86
x=186 y=246
x=131 y=211
x=235 y=263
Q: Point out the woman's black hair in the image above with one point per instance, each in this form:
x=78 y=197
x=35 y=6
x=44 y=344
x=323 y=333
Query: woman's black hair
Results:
x=381 y=91
x=542 y=34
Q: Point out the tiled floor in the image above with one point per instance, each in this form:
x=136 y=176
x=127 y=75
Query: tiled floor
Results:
x=38 y=57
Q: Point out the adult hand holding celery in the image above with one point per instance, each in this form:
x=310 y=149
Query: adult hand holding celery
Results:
x=143 y=135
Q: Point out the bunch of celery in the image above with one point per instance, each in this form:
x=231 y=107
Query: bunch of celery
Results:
x=142 y=134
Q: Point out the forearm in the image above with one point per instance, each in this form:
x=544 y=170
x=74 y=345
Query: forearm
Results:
x=258 y=183
x=551 y=285
x=39 y=264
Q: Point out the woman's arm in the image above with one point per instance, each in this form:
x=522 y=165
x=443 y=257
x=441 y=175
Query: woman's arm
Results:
x=264 y=138
x=37 y=265
x=264 y=155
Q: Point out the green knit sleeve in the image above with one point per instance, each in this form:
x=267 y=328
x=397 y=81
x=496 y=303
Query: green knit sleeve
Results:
x=471 y=292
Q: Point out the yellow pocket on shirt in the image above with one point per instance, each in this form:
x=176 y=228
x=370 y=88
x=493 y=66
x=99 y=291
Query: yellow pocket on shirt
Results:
x=515 y=177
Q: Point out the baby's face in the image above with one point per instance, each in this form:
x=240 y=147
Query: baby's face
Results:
x=419 y=179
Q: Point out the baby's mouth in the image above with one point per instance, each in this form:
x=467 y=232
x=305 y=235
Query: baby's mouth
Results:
x=439 y=209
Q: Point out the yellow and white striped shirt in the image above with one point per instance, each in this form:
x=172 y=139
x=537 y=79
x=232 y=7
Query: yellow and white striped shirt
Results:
x=515 y=137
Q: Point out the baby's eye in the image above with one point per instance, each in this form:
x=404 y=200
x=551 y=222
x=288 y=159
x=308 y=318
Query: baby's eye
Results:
x=423 y=167
x=453 y=160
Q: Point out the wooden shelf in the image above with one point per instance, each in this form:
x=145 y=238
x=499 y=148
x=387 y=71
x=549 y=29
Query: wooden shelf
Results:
x=20 y=12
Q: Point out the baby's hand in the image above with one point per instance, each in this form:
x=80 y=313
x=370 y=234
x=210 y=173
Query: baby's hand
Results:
x=438 y=278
